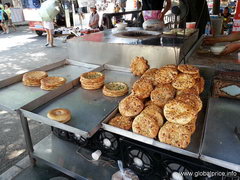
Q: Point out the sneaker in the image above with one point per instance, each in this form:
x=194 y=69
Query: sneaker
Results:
x=46 y=44
x=3 y=33
x=52 y=46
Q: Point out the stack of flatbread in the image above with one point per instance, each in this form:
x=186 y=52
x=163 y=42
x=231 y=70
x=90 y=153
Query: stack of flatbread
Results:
x=92 y=80
x=33 y=78
x=164 y=103
x=115 y=89
x=51 y=83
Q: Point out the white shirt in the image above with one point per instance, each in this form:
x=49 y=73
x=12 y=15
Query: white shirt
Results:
x=94 y=18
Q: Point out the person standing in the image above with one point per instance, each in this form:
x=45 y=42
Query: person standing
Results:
x=48 y=11
x=4 y=21
x=94 y=18
x=157 y=6
x=7 y=9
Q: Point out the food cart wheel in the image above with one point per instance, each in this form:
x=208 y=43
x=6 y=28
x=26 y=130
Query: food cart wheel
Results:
x=39 y=33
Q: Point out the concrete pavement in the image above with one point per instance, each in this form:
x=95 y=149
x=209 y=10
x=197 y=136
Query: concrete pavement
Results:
x=19 y=52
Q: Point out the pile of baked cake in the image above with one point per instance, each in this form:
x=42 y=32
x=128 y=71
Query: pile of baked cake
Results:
x=41 y=79
x=164 y=103
x=95 y=80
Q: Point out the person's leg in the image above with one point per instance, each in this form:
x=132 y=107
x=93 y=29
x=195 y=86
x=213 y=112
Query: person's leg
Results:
x=6 y=27
x=47 y=31
x=11 y=24
x=51 y=37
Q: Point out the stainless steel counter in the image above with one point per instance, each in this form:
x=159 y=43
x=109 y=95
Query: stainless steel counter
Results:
x=108 y=47
x=14 y=94
x=221 y=145
x=219 y=62
x=88 y=107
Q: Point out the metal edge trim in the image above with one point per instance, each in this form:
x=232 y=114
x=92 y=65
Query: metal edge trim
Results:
x=5 y=108
x=53 y=123
x=224 y=164
x=204 y=127
x=193 y=49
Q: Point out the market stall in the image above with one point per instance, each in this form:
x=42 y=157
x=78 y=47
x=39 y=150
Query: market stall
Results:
x=128 y=95
x=69 y=148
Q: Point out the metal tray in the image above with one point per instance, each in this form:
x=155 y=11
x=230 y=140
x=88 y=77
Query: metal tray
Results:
x=14 y=95
x=88 y=107
x=193 y=150
x=221 y=145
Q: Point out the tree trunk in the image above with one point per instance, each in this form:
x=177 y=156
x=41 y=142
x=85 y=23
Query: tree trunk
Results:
x=216 y=7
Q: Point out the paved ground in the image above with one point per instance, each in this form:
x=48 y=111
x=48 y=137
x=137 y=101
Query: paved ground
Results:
x=21 y=51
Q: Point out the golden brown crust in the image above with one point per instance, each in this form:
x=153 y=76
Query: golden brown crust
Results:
x=145 y=125
x=183 y=81
x=92 y=86
x=150 y=75
x=130 y=106
x=200 y=82
x=139 y=66
x=178 y=112
x=170 y=66
x=162 y=94
x=188 y=69
x=51 y=83
x=192 y=90
x=196 y=76
x=115 y=89
x=153 y=112
x=92 y=77
x=166 y=75
x=192 y=100
x=175 y=135
x=60 y=114
x=33 y=78
x=191 y=126
x=142 y=88
x=121 y=122
x=154 y=106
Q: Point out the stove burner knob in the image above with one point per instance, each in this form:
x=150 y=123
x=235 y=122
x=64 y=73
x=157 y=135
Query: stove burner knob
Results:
x=138 y=162
x=107 y=142
x=177 y=176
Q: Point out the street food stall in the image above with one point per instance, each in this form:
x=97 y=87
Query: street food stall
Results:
x=126 y=95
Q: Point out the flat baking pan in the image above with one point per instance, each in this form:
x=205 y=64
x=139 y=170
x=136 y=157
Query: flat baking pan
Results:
x=14 y=95
x=88 y=107
x=192 y=150
x=221 y=145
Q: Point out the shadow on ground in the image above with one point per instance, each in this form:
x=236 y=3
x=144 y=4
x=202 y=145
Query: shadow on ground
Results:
x=19 y=52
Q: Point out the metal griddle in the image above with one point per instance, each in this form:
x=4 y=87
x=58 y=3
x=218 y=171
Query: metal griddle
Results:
x=14 y=95
x=88 y=107
x=221 y=144
x=191 y=151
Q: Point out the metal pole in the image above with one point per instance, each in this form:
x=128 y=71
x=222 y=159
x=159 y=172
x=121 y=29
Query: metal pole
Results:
x=27 y=137
x=216 y=7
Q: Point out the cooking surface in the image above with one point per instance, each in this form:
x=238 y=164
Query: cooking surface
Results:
x=17 y=95
x=88 y=107
x=220 y=141
x=201 y=55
